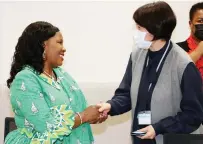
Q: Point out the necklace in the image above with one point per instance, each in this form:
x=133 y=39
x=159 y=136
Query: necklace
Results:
x=54 y=81
x=51 y=76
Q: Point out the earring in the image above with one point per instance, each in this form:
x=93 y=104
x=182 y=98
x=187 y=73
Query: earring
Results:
x=44 y=55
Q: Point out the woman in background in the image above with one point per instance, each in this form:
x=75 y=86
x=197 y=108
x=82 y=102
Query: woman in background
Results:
x=194 y=43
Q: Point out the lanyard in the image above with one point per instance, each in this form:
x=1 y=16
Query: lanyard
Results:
x=161 y=60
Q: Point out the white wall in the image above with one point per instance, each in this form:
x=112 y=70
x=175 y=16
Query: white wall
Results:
x=97 y=35
x=98 y=38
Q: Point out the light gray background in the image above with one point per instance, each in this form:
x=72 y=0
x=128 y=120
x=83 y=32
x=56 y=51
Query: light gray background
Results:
x=98 y=38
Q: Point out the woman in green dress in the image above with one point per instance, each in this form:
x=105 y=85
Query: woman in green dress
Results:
x=49 y=106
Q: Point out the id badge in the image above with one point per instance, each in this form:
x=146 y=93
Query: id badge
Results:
x=144 y=118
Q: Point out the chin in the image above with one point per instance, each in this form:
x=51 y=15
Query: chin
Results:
x=59 y=64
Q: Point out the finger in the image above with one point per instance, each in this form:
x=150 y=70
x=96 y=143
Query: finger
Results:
x=104 y=116
x=143 y=129
x=104 y=119
x=139 y=137
x=105 y=113
x=94 y=121
x=101 y=118
x=99 y=121
x=146 y=136
x=98 y=106
x=101 y=109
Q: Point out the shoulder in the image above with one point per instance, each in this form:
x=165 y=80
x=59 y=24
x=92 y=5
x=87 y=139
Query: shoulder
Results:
x=184 y=45
x=26 y=75
x=191 y=69
x=191 y=76
x=180 y=54
x=137 y=53
x=63 y=73
x=180 y=59
x=181 y=43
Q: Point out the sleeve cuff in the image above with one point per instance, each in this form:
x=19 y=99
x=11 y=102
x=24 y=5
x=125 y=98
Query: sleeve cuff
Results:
x=112 y=111
x=158 y=128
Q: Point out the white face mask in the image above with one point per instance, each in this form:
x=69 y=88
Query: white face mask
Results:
x=139 y=40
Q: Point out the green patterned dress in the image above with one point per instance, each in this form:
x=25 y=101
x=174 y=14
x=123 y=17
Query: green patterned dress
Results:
x=45 y=109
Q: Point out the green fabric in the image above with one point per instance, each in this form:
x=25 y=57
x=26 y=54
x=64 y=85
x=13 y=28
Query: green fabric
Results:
x=45 y=109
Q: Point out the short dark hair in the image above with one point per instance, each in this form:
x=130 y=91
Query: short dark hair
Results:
x=29 y=49
x=195 y=8
x=158 y=18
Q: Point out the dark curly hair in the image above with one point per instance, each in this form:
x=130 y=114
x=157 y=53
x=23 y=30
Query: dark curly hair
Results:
x=29 y=49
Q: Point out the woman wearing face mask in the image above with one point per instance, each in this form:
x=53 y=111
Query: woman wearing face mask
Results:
x=194 y=44
x=49 y=107
x=161 y=85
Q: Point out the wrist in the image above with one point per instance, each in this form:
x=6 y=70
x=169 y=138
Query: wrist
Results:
x=109 y=102
x=157 y=128
x=80 y=117
x=83 y=117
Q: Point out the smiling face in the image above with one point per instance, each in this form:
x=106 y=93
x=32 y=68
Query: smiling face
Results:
x=54 y=50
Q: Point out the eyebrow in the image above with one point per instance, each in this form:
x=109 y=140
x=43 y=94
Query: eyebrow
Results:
x=59 y=40
x=200 y=17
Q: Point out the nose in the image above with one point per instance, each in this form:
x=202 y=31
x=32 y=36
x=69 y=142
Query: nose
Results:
x=64 y=49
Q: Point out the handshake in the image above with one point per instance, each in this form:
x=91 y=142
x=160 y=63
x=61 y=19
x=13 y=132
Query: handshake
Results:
x=95 y=114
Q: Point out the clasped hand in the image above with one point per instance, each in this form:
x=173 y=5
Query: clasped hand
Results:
x=96 y=113
x=102 y=110
x=92 y=115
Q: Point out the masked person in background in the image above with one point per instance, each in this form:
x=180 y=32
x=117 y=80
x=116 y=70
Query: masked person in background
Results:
x=161 y=85
x=194 y=44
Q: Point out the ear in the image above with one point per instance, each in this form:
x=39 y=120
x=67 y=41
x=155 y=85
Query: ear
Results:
x=151 y=37
x=44 y=44
x=190 y=24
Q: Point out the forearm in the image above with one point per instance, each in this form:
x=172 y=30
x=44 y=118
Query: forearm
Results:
x=195 y=55
x=191 y=114
x=181 y=123
x=79 y=119
x=119 y=105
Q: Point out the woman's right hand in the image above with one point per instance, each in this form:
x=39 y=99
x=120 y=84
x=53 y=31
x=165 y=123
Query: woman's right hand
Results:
x=91 y=114
x=104 y=108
